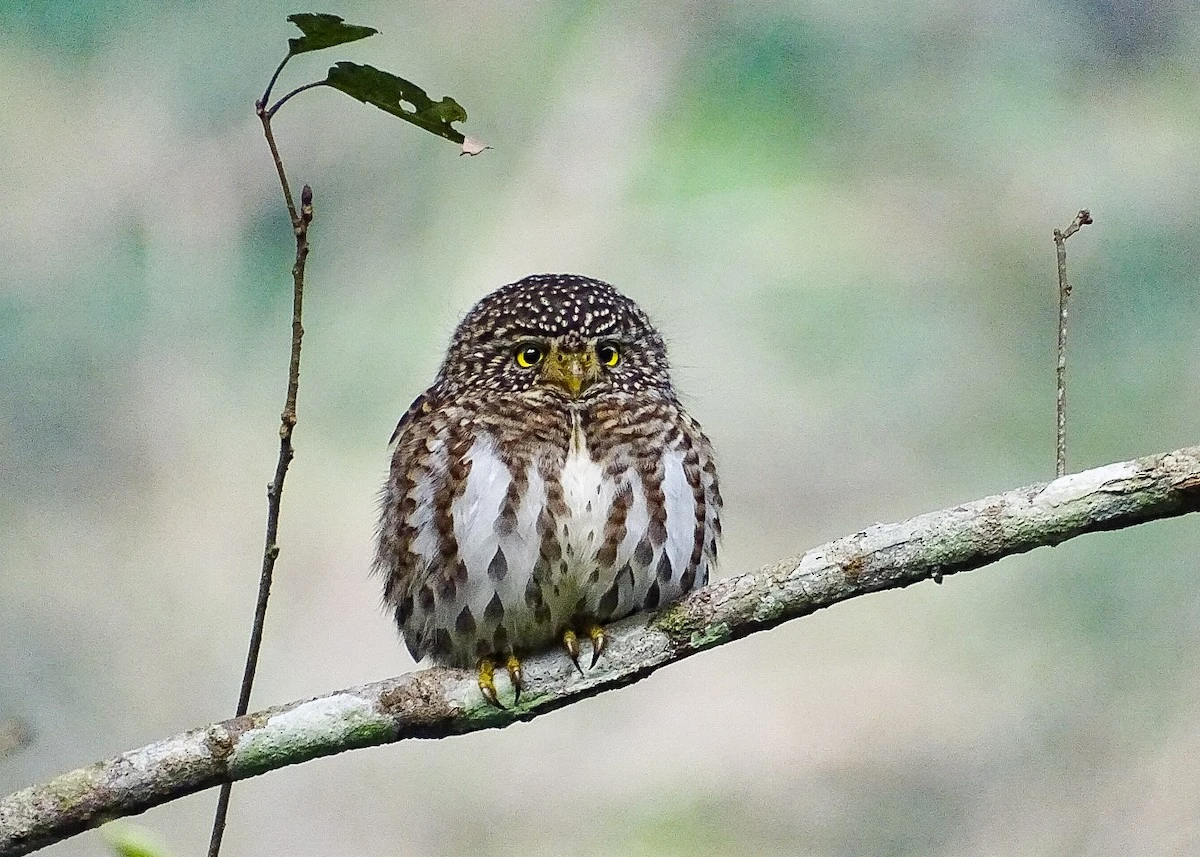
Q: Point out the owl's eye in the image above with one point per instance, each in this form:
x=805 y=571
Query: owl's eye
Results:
x=608 y=354
x=528 y=356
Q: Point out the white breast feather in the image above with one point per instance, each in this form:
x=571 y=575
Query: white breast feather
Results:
x=588 y=496
x=681 y=514
x=475 y=512
x=637 y=520
x=522 y=546
x=426 y=542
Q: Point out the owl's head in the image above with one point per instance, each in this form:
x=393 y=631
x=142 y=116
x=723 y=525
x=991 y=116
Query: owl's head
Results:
x=557 y=334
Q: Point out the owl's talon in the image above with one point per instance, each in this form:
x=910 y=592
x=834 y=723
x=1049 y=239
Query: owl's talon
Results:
x=513 y=664
x=599 y=642
x=487 y=681
x=571 y=644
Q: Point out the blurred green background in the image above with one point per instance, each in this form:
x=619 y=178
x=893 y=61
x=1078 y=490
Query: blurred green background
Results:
x=840 y=215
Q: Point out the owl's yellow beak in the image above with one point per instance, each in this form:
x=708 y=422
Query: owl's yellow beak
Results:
x=573 y=371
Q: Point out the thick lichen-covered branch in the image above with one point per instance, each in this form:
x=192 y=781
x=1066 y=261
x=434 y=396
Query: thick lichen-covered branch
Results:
x=436 y=703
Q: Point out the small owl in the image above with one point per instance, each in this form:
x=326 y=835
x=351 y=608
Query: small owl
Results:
x=547 y=483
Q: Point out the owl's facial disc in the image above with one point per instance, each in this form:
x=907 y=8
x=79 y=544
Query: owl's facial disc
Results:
x=573 y=371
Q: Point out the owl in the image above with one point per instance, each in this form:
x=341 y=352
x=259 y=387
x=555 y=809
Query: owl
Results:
x=547 y=483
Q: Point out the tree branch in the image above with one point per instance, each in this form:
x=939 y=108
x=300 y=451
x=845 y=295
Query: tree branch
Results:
x=435 y=703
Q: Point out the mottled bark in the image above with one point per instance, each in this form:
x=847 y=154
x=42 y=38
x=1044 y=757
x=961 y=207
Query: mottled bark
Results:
x=435 y=703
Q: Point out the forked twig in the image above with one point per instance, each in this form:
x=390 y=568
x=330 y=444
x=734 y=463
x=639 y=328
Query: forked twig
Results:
x=390 y=94
x=300 y=222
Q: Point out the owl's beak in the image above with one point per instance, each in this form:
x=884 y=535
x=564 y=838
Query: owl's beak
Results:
x=573 y=371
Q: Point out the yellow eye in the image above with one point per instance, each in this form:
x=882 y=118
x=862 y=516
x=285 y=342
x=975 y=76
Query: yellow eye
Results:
x=608 y=354
x=529 y=356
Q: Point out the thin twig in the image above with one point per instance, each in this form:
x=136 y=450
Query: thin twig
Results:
x=300 y=224
x=440 y=702
x=287 y=189
x=1083 y=218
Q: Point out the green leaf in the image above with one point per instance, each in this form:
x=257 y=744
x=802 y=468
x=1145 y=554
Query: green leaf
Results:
x=401 y=98
x=129 y=840
x=323 y=31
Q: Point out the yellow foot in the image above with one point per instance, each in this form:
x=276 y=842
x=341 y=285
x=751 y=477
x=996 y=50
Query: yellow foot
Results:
x=599 y=641
x=571 y=644
x=487 y=681
x=513 y=664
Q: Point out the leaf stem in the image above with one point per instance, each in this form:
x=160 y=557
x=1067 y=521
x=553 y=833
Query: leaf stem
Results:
x=294 y=92
x=266 y=96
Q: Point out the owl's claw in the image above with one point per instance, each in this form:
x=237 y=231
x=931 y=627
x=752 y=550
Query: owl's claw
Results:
x=571 y=644
x=487 y=681
x=599 y=641
x=513 y=664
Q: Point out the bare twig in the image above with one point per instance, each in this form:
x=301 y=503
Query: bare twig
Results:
x=300 y=223
x=440 y=702
x=1083 y=218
